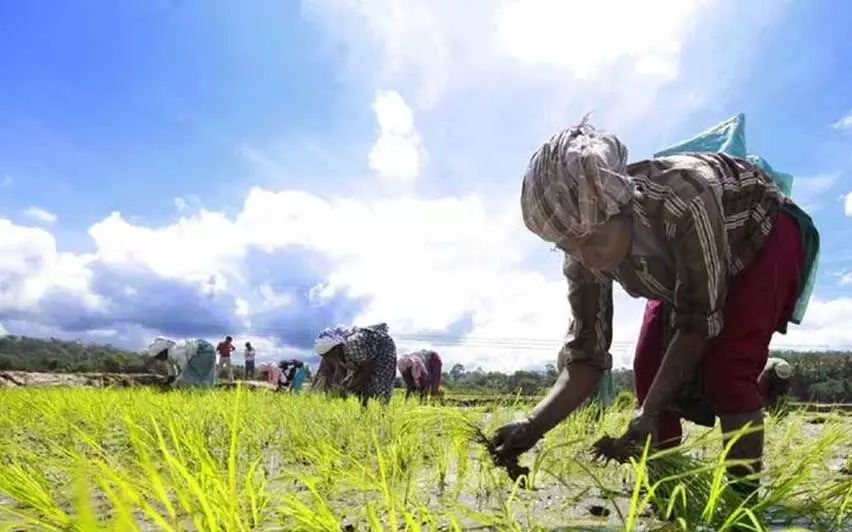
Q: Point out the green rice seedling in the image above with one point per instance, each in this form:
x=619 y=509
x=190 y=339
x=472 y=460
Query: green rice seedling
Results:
x=140 y=459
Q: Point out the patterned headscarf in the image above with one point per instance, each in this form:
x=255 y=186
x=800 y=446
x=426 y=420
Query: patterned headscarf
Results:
x=575 y=182
x=160 y=344
x=783 y=369
x=330 y=338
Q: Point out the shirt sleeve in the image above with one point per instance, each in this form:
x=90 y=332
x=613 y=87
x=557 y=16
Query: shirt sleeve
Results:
x=589 y=335
x=699 y=249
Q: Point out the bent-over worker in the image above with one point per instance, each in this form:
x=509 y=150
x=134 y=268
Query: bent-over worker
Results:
x=434 y=366
x=775 y=380
x=190 y=361
x=367 y=357
x=414 y=374
x=712 y=244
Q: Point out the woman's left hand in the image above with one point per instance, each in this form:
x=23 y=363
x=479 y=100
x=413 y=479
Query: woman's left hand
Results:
x=640 y=427
x=631 y=443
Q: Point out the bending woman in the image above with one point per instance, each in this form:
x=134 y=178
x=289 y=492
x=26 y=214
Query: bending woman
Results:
x=712 y=244
x=365 y=355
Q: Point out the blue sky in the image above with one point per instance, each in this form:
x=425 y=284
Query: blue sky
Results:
x=267 y=168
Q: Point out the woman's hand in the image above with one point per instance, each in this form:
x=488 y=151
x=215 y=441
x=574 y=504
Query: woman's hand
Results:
x=631 y=443
x=640 y=427
x=514 y=439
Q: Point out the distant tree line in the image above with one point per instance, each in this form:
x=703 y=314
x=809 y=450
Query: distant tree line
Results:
x=818 y=376
x=22 y=353
x=523 y=382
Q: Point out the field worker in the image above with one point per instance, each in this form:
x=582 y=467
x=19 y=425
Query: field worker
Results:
x=414 y=373
x=712 y=244
x=225 y=348
x=283 y=382
x=300 y=373
x=249 y=355
x=368 y=356
x=434 y=366
x=775 y=380
x=291 y=372
x=187 y=361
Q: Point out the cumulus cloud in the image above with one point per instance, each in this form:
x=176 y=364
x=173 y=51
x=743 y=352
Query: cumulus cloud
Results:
x=40 y=215
x=31 y=266
x=826 y=324
x=568 y=35
x=397 y=153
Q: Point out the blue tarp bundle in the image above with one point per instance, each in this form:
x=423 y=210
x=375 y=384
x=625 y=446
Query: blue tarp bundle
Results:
x=729 y=137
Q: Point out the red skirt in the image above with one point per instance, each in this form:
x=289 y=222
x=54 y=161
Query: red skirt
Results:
x=760 y=301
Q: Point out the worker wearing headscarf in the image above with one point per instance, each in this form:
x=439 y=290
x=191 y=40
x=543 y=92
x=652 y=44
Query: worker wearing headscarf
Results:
x=365 y=355
x=190 y=361
x=414 y=374
x=707 y=239
x=434 y=367
x=775 y=380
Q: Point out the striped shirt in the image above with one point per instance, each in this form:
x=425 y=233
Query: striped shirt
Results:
x=698 y=220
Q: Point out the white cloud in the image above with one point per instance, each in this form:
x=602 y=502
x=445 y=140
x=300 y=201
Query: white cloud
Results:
x=847 y=204
x=440 y=44
x=180 y=204
x=30 y=266
x=196 y=248
x=826 y=324
x=560 y=58
x=40 y=215
x=397 y=153
x=6 y=181
x=587 y=39
x=844 y=123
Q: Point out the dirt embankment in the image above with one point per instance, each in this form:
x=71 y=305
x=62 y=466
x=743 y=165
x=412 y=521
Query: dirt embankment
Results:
x=15 y=379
